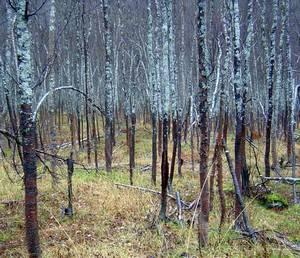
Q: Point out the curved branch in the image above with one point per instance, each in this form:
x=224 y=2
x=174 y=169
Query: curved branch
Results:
x=64 y=88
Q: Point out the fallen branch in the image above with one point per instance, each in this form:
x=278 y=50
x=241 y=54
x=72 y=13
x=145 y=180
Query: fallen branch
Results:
x=147 y=190
x=286 y=180
x=279 y=239
x=285 y=242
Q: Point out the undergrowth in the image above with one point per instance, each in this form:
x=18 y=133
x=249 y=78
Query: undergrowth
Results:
x=112 y=221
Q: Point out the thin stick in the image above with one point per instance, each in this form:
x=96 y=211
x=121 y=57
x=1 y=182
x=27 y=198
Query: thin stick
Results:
x=147 y=190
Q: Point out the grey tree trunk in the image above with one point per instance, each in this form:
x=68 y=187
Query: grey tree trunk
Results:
x=108 y=88
x=270 y=82
x=154 y=86
x=165 y=113
x=51 y=51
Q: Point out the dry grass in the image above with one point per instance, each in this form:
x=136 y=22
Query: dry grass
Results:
x=118 y=222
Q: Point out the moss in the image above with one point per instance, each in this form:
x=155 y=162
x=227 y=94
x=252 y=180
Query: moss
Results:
x=275 y=200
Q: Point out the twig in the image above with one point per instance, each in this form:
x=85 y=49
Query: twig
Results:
x=147 y=190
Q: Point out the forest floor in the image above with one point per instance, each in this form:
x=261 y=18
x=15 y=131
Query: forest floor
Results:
x=112 y=221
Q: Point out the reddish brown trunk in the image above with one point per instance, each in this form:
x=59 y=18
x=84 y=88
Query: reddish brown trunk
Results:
x=154 y=147
x=219 y=165
x=28 y=132
x=174 y=134
x=95 y=141
x=179 y=159
x=164 y=170
x=159 y=137
x=132 y=147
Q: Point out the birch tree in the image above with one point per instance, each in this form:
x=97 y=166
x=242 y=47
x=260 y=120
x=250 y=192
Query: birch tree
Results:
x=246 y=77
x=173 y=91
x=51 y=84
x=108 y=88
x=203 y=125
x=290 y=102
x=154 y=86
x=27 y=127
x=270 y=83
x=165 y=111
x=239 y=91
x=85 y=77
x=278 y=87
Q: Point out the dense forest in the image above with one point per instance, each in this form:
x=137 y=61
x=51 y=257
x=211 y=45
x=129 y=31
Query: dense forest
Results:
x=149 y=128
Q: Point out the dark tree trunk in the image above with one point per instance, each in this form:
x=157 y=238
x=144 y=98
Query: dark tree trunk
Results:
x=160 y=136
x=243 y=221
x=225 y=128
x=174 y=135
x=154 y=147
x=245 y=172
x=132 y=147
x=72 y=131
x=70 y=165
x=219 y=165
x=186 y=125
x=164 y=170
x=212 y=182
x=78 y=129
x=179 y=133
x=204 y=127
x=127 y=130
x=28 y=132
x=95 y=141
x=192 y=148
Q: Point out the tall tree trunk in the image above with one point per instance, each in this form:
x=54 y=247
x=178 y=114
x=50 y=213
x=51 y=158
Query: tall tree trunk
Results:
x=240 y=136
x=270 y=82
x=28 y=129
x=95 y=141
x=292 y=93
x=165 y=110
x=203 y=125
x=51 y=100
x=154 y=86
x=246 y=77
x=278 y=90
x=108 y=89
x=154 y=148
x=86 y=81
x=179 y=134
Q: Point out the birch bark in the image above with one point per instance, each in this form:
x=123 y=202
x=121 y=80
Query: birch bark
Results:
x=27 y=127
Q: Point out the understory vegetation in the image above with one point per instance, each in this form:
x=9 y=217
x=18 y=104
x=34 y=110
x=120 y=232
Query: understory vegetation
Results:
x=115 y=221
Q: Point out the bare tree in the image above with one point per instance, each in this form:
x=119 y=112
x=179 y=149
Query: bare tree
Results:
x=108 y=88
x=203 y=124
x=27 y=127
